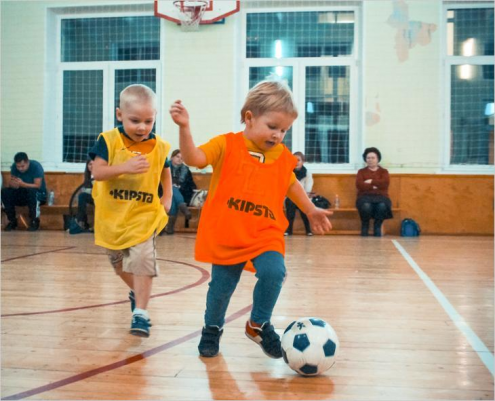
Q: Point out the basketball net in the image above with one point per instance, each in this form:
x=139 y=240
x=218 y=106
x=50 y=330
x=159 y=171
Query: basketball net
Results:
x=190 y=14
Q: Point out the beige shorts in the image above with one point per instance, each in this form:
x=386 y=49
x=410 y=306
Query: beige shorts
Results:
x=139 y=259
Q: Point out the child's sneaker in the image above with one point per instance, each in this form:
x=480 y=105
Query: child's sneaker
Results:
x=265 y=336
x=209 y=345
x=140 y=326
x=132 y=298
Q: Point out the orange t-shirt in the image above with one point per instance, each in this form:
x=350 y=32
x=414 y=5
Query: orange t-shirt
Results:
x=143 y=147
x=244 y=216
x=215 y=153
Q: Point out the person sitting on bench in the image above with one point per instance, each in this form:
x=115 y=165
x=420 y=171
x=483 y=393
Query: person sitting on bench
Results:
x=27 y=187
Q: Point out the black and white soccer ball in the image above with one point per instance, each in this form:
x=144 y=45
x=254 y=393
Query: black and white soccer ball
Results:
x=310 y=346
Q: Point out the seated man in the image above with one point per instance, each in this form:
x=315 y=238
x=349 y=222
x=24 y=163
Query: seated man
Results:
x=27 y=187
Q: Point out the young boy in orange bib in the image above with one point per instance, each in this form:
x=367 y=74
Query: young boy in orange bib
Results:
x=243 y=218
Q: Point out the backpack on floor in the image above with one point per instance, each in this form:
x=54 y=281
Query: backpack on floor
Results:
x=409 y=228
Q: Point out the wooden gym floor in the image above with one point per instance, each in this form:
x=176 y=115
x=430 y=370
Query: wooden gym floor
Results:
x=414 y=318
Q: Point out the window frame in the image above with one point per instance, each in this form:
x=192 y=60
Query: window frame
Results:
x=448 y=62
x=299 y=65
x=53 y=124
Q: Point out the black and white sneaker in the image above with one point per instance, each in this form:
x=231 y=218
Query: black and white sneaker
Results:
x=266 y=337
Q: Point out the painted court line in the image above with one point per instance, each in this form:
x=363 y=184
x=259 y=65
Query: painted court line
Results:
x=37 y=253
x=483 y=352
x=204 y=277
x=106 y=368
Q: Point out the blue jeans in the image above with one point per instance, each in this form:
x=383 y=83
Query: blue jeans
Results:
x=84 y=199
x=270 y=271
x=177 y=199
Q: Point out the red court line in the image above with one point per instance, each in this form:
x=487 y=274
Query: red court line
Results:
x=31 y=246
x=118 y=364
x=37 y=253
x=204 y=277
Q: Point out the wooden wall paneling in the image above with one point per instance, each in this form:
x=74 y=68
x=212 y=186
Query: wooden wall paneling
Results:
x=442 y=204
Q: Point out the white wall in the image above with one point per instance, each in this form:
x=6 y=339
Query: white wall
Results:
x=406 y=84
x=199 y=69
x=22 y=69
x=203 y=70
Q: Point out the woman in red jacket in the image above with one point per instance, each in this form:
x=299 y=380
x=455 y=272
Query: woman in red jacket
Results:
x=373 y=201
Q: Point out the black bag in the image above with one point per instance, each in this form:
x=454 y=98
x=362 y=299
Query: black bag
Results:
x=70 y=219
x=321 y=202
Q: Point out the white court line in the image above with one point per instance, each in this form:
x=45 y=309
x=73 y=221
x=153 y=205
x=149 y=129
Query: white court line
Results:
x=483 y=352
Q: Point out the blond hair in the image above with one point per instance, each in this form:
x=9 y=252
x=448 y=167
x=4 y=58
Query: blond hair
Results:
x=137 y=92
x=268 y=96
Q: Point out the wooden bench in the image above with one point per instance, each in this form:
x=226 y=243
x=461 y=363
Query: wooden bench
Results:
x=51 y=217
x=346 y=221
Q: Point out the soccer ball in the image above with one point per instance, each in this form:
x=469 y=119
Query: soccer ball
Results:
x=309 y=346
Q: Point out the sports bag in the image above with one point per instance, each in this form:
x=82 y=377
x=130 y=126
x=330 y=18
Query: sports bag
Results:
x=409 y=228
x=199 y=198
x=321 y=202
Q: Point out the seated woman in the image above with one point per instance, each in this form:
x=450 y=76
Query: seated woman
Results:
x=183 y=189
x=306 y=180
x=373 y=201
x=83 y=200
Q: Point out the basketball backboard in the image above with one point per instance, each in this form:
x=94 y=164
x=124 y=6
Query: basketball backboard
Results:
x=214 y=11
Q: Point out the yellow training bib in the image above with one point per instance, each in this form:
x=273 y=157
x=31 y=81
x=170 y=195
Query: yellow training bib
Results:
x=127 y=208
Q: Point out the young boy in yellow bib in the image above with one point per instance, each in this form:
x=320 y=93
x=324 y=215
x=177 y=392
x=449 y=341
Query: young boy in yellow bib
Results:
x=129 y=164
x=243 y=219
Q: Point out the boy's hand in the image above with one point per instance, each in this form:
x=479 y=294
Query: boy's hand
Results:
x=319 y=220
x=137 y=165
x=179 y=114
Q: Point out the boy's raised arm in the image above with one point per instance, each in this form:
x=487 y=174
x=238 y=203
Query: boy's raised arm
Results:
x=192 y=155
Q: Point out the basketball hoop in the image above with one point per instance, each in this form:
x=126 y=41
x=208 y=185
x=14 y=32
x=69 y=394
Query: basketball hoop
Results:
x=190 y=13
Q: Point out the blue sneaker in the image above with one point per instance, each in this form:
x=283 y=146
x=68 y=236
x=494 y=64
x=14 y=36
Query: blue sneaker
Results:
x=140 y=326
x=132 y=298
x=209 y=345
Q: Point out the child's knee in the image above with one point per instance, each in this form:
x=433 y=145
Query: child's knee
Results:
x=116 y=258
x=140 y=259
x=381 y=207
x=140 y=267
x=270 y=266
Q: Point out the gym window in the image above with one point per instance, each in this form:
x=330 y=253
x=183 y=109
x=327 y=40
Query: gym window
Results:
x=317 y=57
x=469 y=71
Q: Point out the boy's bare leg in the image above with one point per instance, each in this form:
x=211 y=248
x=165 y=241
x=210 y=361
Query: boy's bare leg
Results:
x=128 y=278
x=142 y=291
